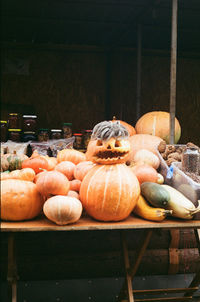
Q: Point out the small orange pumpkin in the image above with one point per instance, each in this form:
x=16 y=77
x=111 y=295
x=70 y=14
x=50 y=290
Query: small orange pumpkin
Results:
x=52 y=183
x=67 y=168
x=82 y=168
x=72 y=155
x=37 y=163
x=20 y=200
x=75 y=185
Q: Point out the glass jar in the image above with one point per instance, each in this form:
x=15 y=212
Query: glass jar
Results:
x=29 y=123
x=3 y=131
x=67 y=130
x=78 y=141
x=190 y=160
x=29 y=136
x=13 y=121
x=86 y=138
x=43 y=135
x=56 y=133
x=14 y=135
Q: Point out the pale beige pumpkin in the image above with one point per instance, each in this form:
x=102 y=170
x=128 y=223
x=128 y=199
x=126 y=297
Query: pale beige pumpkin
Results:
x=20 y=200
x=109 y=192
x=158 y=123
x=73 y=194
x=142 y=141
x=63 y=209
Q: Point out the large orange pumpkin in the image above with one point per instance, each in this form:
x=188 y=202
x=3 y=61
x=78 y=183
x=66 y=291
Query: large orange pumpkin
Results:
x=20 y=200
x=158 y=123
x=109 y=192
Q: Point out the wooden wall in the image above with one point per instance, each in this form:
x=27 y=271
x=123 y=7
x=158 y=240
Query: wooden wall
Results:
x=79 y=87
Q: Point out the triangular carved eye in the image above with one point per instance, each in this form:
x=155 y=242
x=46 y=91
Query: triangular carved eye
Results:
x=117 y=144
x=99 y=143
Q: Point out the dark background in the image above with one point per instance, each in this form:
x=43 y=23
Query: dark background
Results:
x=76 y=61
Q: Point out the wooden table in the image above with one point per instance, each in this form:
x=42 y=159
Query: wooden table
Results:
x=41 y=224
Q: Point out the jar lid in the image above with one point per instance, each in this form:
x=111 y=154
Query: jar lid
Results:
x=29 y=132
x=29 y=116
x=13 y=113
x=3 y=122
x=43 y=129
x=67 y=124
x=88 y=131
x=56 y=130
x=15 y=130
x=78 y=134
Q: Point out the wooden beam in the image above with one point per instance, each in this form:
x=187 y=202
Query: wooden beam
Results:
x=173 y=70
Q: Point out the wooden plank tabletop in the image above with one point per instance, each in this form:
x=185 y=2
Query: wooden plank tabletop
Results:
x=86 y=223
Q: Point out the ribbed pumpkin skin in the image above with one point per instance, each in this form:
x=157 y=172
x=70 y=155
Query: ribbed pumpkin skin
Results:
x=20 y=200
x=109 y=192
x=158 y=123
x=72 y=155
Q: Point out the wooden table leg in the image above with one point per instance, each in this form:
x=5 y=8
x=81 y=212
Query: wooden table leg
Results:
x=130 y=272
x=12 y=270
x=196 y=280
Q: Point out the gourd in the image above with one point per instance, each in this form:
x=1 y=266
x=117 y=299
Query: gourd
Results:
x=144 y=210
x=82 y=168
x=62 y=209
x=181 y=206
x=72 y=155
x=4 y=164
x=155 y=194
x=158 y=123
x=67 y=168
x=109 y=191
x=52 y=183
x=20 y=200
x=12 y=161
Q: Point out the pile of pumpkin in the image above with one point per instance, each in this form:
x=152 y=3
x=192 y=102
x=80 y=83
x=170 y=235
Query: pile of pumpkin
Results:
x=105 y=181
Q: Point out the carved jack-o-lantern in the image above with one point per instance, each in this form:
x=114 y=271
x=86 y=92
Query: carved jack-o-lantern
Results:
x=109 y=144
x=110 y=190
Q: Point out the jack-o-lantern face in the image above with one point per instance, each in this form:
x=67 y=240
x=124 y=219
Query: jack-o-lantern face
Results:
x=111 y=144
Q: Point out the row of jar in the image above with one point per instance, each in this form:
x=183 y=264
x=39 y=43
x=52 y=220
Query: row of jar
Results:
x=43 y=135
x=30 y=124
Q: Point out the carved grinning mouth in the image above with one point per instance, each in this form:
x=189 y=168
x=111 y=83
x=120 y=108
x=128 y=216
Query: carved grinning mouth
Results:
x=110 y=154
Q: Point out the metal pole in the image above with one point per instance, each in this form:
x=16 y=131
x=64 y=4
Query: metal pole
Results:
x=173 y=70
x=139 y=57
